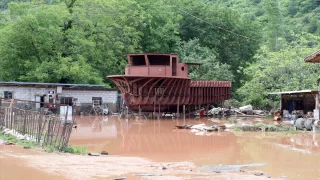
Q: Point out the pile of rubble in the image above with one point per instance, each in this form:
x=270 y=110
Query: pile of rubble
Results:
x=201 y=129
x=18 y=135
x=244 y=110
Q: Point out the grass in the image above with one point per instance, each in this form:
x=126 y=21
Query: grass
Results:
x=49 y=149
x=232 y=120
x=266 y=127
x=70 y=149
x=11 y=139
x=75 y=150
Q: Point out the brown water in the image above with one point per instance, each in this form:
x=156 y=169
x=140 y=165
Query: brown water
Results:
x=295 y=156
x=13 y=168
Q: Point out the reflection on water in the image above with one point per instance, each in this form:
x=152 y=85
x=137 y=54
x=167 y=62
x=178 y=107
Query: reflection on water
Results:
x=295 y=156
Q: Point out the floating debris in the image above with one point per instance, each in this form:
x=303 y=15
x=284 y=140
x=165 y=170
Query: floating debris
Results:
x=228 y=168
x=258 y=174
x=93 y=154
x=121 y=178
x=264 y=128
x=8 y=143
x=148 y=175
x=202 y=127
x=104 y=153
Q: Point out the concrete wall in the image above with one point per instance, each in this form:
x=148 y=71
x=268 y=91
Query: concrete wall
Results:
x=25 y=93
x=84 y=96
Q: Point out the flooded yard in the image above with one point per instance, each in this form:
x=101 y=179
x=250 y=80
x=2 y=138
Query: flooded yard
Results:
x=294 y=156
x=155 y=149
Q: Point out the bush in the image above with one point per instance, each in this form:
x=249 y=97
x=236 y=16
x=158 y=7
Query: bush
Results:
x=75 y=150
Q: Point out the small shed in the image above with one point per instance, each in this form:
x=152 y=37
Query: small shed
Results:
x=315 y=58
x=304 y=100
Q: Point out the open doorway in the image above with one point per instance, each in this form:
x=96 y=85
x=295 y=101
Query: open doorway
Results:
x=40 y=102
x=174 y=66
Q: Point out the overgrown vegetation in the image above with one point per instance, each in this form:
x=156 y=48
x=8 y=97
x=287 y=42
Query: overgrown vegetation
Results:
x=263 y=127
x=24 y=143
x=232 y=120
x=75 y=150
x=11 y=139
x=259 y=45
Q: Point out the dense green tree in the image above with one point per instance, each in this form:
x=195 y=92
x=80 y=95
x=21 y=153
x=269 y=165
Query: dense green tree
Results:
x=211 y=68
x=161 y=27
x=274 y=28
x=280 y=71
x=83 y=41
x=234 y=40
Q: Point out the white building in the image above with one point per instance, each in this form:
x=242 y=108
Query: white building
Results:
x=82 y=95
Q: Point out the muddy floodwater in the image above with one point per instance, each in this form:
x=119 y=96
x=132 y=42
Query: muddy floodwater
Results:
x=155 y=149
x=291 y=156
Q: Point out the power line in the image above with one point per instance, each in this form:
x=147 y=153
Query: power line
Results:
x=231 y=32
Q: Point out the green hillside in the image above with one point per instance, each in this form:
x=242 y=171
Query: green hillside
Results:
x=259 y=45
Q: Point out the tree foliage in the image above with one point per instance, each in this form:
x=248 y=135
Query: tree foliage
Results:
x=210 y=68
x=234 y=39
x=253 y=43
x=280 y=71
x=79 y=41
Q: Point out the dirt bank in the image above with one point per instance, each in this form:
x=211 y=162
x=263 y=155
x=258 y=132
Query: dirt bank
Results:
x=17 y=163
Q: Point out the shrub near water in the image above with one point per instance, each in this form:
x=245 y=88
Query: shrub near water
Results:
x=75 y=150
x=11 y=139
x=70 y=149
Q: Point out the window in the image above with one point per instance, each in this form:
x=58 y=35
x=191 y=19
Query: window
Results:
x=182 y=68
x=138 y=60
x=97 y=101
x=66 y=101
x=159 y=60
x=8 y=95
x=51 y=98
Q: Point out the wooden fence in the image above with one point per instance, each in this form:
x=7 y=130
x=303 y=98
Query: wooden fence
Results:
x=45 y=129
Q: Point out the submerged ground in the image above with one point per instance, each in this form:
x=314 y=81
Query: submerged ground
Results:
x=154 y=149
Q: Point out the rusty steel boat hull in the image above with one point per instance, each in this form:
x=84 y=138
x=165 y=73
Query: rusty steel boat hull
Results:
x=167 y=94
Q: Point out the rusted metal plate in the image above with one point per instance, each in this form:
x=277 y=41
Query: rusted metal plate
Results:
x=165 y=84
x=148 y=92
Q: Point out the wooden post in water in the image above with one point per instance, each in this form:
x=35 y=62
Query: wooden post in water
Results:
x=159 y=112
x=184 y=113
x=222 y=108
x=127 y=112
x=177 y=110
x=139 y=112
x=154 y=110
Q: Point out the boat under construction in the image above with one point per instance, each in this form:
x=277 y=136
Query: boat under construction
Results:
x=159 y=82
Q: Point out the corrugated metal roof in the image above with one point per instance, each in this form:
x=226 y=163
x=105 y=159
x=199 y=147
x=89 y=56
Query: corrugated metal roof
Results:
x=52 y=84
x=293 y=92
x=64 y=86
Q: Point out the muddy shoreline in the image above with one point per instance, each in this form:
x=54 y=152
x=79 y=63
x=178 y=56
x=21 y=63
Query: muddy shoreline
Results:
x=41 y=165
